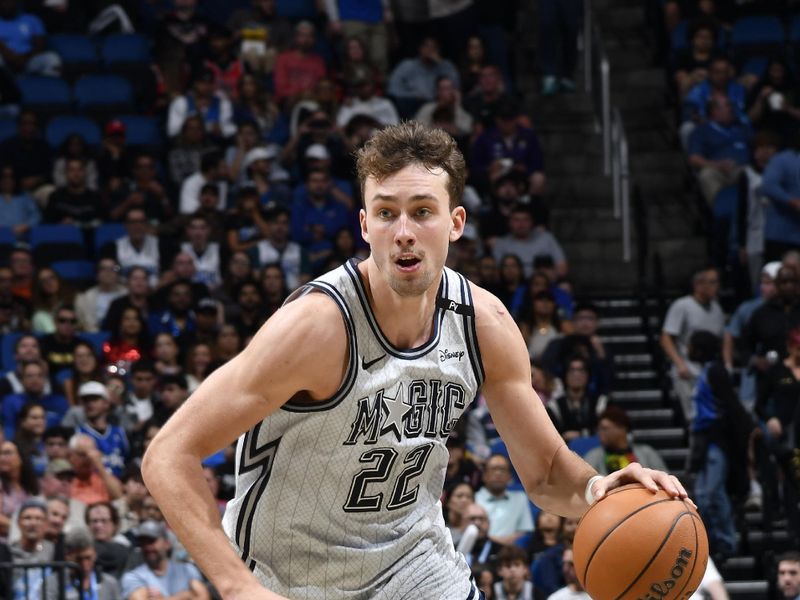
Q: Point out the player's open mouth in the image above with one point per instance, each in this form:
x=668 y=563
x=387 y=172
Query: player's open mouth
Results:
x=407 y=263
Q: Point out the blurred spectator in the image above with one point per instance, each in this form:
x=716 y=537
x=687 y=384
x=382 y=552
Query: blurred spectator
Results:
x=527 y=241
x=85 y=580
x=697 y=311
x=484 y=579
x=247 y=138
x=16 y=309
x=142 y=398
x=559 y=22
x=92 y=305
x=238 y=269
x=720 y=83
x=31 y=423
x=720 y=428
x=165 y=353
x=244 y=223
x=26 y=349
x=413 y=80
x=735 y=329
x=357 y=64
x=128 y=342
x=177 y=318
x=460 y=466
x=263 y=173
x=575 y=412
x=174 y=392
x=782 y=213
x=485 y=550
x=573 y=590
x=546 y=532
x=365 y=21
x=617 y=450
x=49 y=293
x=57 y=515
x=22 y=272
x=788 y=575
x=298 y=69
x=254 y=105
x=539 y=322
x=85 y=367
x=159 y=573
x=213 y=107
x=114 y=160
x=207 y=255
x=773 y=102
x=471 y=64
x=180 y=40
x=316 y=128
x=113 y=549
x=57 y=347
x=546 y=385
x=751 y=206
x=212 y=171
x=92 y=482
x=34 y=375
x=17 y=482
x=776 y=406
x=141 y=190
x=447 y=96
x=110 y=439
x=27 y=152
x=229 y=343
x=187 y=149
x=199 y=357
x=512 y=566
x=278 y=248
x=692 y=64
x=712 y=585
x=317 y=216
x=138 y=248
x=32 y=547
x=75 y=147
x=55 y=446
x=275 y=292
x=23 y=42
x=74 y=203
x=719 y=149
x=222 y=60
x=512 y=288
x=130 y=503
x=547 y=571
x=251 y=314
x=18 y=210
x=483 y=101
x=261 y=33
x=458 y=497
x=509 y=510
x=362 y=99
x=764 y=337
x=508 y=146
x=137 y=297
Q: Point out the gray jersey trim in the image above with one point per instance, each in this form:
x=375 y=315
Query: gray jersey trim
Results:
x=352 y=367
x=438 y=317
x=471 y=334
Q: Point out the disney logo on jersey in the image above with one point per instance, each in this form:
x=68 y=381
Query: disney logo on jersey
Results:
x=449 y=355
x=418 y=409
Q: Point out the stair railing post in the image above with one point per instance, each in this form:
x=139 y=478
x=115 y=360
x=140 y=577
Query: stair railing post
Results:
x=626 y=191
x=605 y=82
x=615 y=165
x=587 y=46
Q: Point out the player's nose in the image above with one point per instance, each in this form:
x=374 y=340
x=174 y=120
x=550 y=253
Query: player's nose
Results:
x=404 y=235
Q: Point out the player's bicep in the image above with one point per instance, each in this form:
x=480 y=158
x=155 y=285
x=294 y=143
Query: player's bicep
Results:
x=301 y=348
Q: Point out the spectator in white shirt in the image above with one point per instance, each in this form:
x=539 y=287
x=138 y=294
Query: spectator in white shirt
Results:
x=362 y=100
x=212 y=170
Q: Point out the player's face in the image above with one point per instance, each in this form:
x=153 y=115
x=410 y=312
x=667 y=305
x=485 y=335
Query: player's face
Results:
x=789 y=578
x=409 y=225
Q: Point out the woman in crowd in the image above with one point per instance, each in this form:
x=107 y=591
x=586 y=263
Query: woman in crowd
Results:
x=49 y=292
x=546 y=533
x=539 y=322
x=74 y=146
x=228 y=344
x=31 y=423
x=85 y=367
x=457 y=498
x=198 y=363
x=511 y=289
x=184 y=158
x=17 y=483
x=254 y=105
x=474 y=61
x=166 y=354
x=128 y=343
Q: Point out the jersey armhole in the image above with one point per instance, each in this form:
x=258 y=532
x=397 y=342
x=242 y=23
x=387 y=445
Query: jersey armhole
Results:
x=471 y=334
x=320 y=287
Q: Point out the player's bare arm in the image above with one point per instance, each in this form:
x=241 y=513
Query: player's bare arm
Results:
x=278 y=364
x=554 y=477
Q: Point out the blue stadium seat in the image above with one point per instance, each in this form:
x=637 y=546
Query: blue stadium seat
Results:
x=59 y=128
x=8 y=129
x=96 y=339
x=680 y=36
x=794 y=29
x=74 y=50
x=756 y=31
x=108 y=232
x=296 y=9
x=7 y=349
x=103 y=93
x=121 y=49
x=141 y=130
x=75 y=271
x=41 y=94
x=755 y=65
x=55 y=234
x=582 y=445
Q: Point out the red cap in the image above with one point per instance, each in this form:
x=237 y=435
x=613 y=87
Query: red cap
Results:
x=115 y=127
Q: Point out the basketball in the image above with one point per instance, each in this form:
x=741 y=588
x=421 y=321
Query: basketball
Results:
x=634 y=544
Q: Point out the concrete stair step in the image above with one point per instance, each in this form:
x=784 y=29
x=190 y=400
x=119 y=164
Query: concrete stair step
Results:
x=738 y=568
x=747 y=590
x=599 y=229
x=660 y=160
x=642 y=359
x=651 y=417
x=645 y=97
x=621 y=17
x=674 y=457
x=566 y=143
x=668 y=437
x=634 y=79
x=633 y=399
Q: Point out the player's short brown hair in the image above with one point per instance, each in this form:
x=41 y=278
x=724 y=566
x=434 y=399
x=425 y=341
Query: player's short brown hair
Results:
x=396 y=147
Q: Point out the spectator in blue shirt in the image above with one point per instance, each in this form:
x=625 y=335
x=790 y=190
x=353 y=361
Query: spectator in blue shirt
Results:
x=110 y=439
x=22 y=42
x=781 y=184
x=34 y=377
x=178 y=318
x=719 y=148
x=509 y=147
x=319 y=213
x=17 y=211
x=720 y=82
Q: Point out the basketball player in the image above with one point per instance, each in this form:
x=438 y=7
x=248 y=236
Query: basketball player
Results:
x=344 y=401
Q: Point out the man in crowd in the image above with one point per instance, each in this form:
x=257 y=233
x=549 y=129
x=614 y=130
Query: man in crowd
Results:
x=85 y=581
x=112 y=549
x=513 y=569
x=159 y=576
x=782 y=213
x=278 y=248
x=58 y=347
x=32 y=547
x=23 y=42
x=573 y=590
x=485 y=550
x=92 y=482
x=509 y=510
x=34 y=378
x=298 y=69
x=26 y=349
x=75 y=203
x=528 y=241
x=110 y=439
x=212 y=171
x=615 y=450
x=789 y=575
x=138 y=248
x=92 y=305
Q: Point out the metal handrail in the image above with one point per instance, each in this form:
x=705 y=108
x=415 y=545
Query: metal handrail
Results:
x=57 y=567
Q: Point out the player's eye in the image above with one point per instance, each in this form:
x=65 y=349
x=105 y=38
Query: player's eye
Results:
x=424 y=212
x=384 y=213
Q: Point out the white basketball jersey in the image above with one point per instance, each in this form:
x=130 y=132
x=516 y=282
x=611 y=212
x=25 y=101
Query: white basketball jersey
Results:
x=340 y=499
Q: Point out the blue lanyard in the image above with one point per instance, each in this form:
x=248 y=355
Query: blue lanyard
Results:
x=91 y=593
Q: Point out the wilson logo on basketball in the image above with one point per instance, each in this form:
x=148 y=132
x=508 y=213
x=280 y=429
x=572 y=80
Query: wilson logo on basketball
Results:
x=660 y=589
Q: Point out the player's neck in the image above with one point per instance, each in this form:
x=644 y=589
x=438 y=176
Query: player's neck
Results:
x=407 y=322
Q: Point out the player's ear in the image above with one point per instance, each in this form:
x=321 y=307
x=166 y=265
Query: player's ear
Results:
x=362 y=219
x=458 y=216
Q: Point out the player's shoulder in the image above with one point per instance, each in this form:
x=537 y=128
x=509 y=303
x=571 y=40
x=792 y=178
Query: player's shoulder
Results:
x=490 y=312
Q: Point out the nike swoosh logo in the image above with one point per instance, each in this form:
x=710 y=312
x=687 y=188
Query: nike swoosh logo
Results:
x=366 y=365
